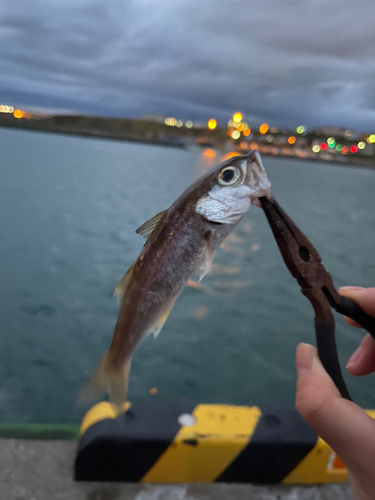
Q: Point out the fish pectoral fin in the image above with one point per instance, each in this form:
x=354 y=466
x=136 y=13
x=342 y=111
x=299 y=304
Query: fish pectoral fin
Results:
x=123 y=284
x=150 y=225
x=156 y=328
x=208 y=258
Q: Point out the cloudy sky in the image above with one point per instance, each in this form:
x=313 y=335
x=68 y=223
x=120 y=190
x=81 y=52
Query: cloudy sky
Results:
x=287 y=62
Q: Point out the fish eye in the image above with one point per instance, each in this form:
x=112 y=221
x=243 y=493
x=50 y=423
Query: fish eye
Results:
x=229 y=176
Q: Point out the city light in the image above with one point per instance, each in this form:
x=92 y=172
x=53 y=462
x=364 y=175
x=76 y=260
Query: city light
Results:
x=6 y=109
x=247 y=131
x=240 y=127
x=189 y=124
x=323 y=146
x=230 y=123
x=237 y=117
x=179 y=123
x=331 y=141
x=316 y=148
x=274 y=130
x=263 y=129
x=212 y=124
x=269 y=138
x=235 y=134
x=301 y=129
x=345 y=150
x=361 y=145
x=338 y=147
x=17 y=113
x=371 y=138
x=291 y=139
x=353 y=149
x=171 y=122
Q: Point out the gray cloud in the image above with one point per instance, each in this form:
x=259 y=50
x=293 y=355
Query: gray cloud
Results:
x=286 y=62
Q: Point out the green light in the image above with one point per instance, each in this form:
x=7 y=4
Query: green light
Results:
x=301 y=129
x=331 y=145
x=331 y=142
x=338 y=147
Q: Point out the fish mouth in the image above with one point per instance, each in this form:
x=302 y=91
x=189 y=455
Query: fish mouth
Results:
x=256 y=178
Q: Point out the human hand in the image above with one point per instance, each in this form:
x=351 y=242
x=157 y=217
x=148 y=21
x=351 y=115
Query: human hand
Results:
x=341 y=423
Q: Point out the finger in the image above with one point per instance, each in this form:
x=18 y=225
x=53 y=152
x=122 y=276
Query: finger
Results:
x=339 y=422
x=362 y=361
x=364 y=297
x=351 y=322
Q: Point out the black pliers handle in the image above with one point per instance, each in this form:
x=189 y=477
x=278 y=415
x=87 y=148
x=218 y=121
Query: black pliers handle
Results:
x=305 y=264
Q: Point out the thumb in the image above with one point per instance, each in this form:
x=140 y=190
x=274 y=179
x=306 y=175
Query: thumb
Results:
x=339 y=422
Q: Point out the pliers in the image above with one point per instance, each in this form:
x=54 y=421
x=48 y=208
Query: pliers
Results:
x=305 y=264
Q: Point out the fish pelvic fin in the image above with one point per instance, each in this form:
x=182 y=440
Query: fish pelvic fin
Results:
x=108 y=379
x=123 y=284
x=208 y=258
x=151 y=225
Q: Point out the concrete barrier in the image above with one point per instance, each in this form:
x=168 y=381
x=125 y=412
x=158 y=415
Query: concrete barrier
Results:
x=160 y=442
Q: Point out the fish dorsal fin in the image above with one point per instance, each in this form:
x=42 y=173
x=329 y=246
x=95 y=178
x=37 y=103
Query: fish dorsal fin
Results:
x=123 y=284
x=150 y=225
x=208 y=258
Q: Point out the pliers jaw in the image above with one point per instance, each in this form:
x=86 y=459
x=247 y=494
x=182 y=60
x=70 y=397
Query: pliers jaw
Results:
x=301 y=257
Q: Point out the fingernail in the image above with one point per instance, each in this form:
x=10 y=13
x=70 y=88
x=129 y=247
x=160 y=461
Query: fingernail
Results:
x=355 y=357
x=305 y=360
x=349 y=288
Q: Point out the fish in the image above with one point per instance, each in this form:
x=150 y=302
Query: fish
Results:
x=181 y=241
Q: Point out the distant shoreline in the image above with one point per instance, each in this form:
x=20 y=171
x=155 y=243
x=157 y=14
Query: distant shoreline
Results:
x=347 y=161
x=100 y=134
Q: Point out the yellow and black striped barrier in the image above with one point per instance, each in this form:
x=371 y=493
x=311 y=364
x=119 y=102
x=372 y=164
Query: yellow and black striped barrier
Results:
x=158 y=442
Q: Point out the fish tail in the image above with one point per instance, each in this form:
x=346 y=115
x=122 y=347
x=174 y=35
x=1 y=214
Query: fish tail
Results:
x=108 y=379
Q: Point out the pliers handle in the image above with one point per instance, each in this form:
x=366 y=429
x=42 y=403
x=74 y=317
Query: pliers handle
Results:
x=305 y=264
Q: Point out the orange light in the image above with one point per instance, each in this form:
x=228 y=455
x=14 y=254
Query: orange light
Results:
x=237 y=117
x=153 y=391
x=230 y=154
x=292 y=139
x=17 y=113
x=209 y=153
x=345 y=150
x=263 y=129
x=212 y=124
x=246 y=132
x=254 y=145
x=240 y=127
